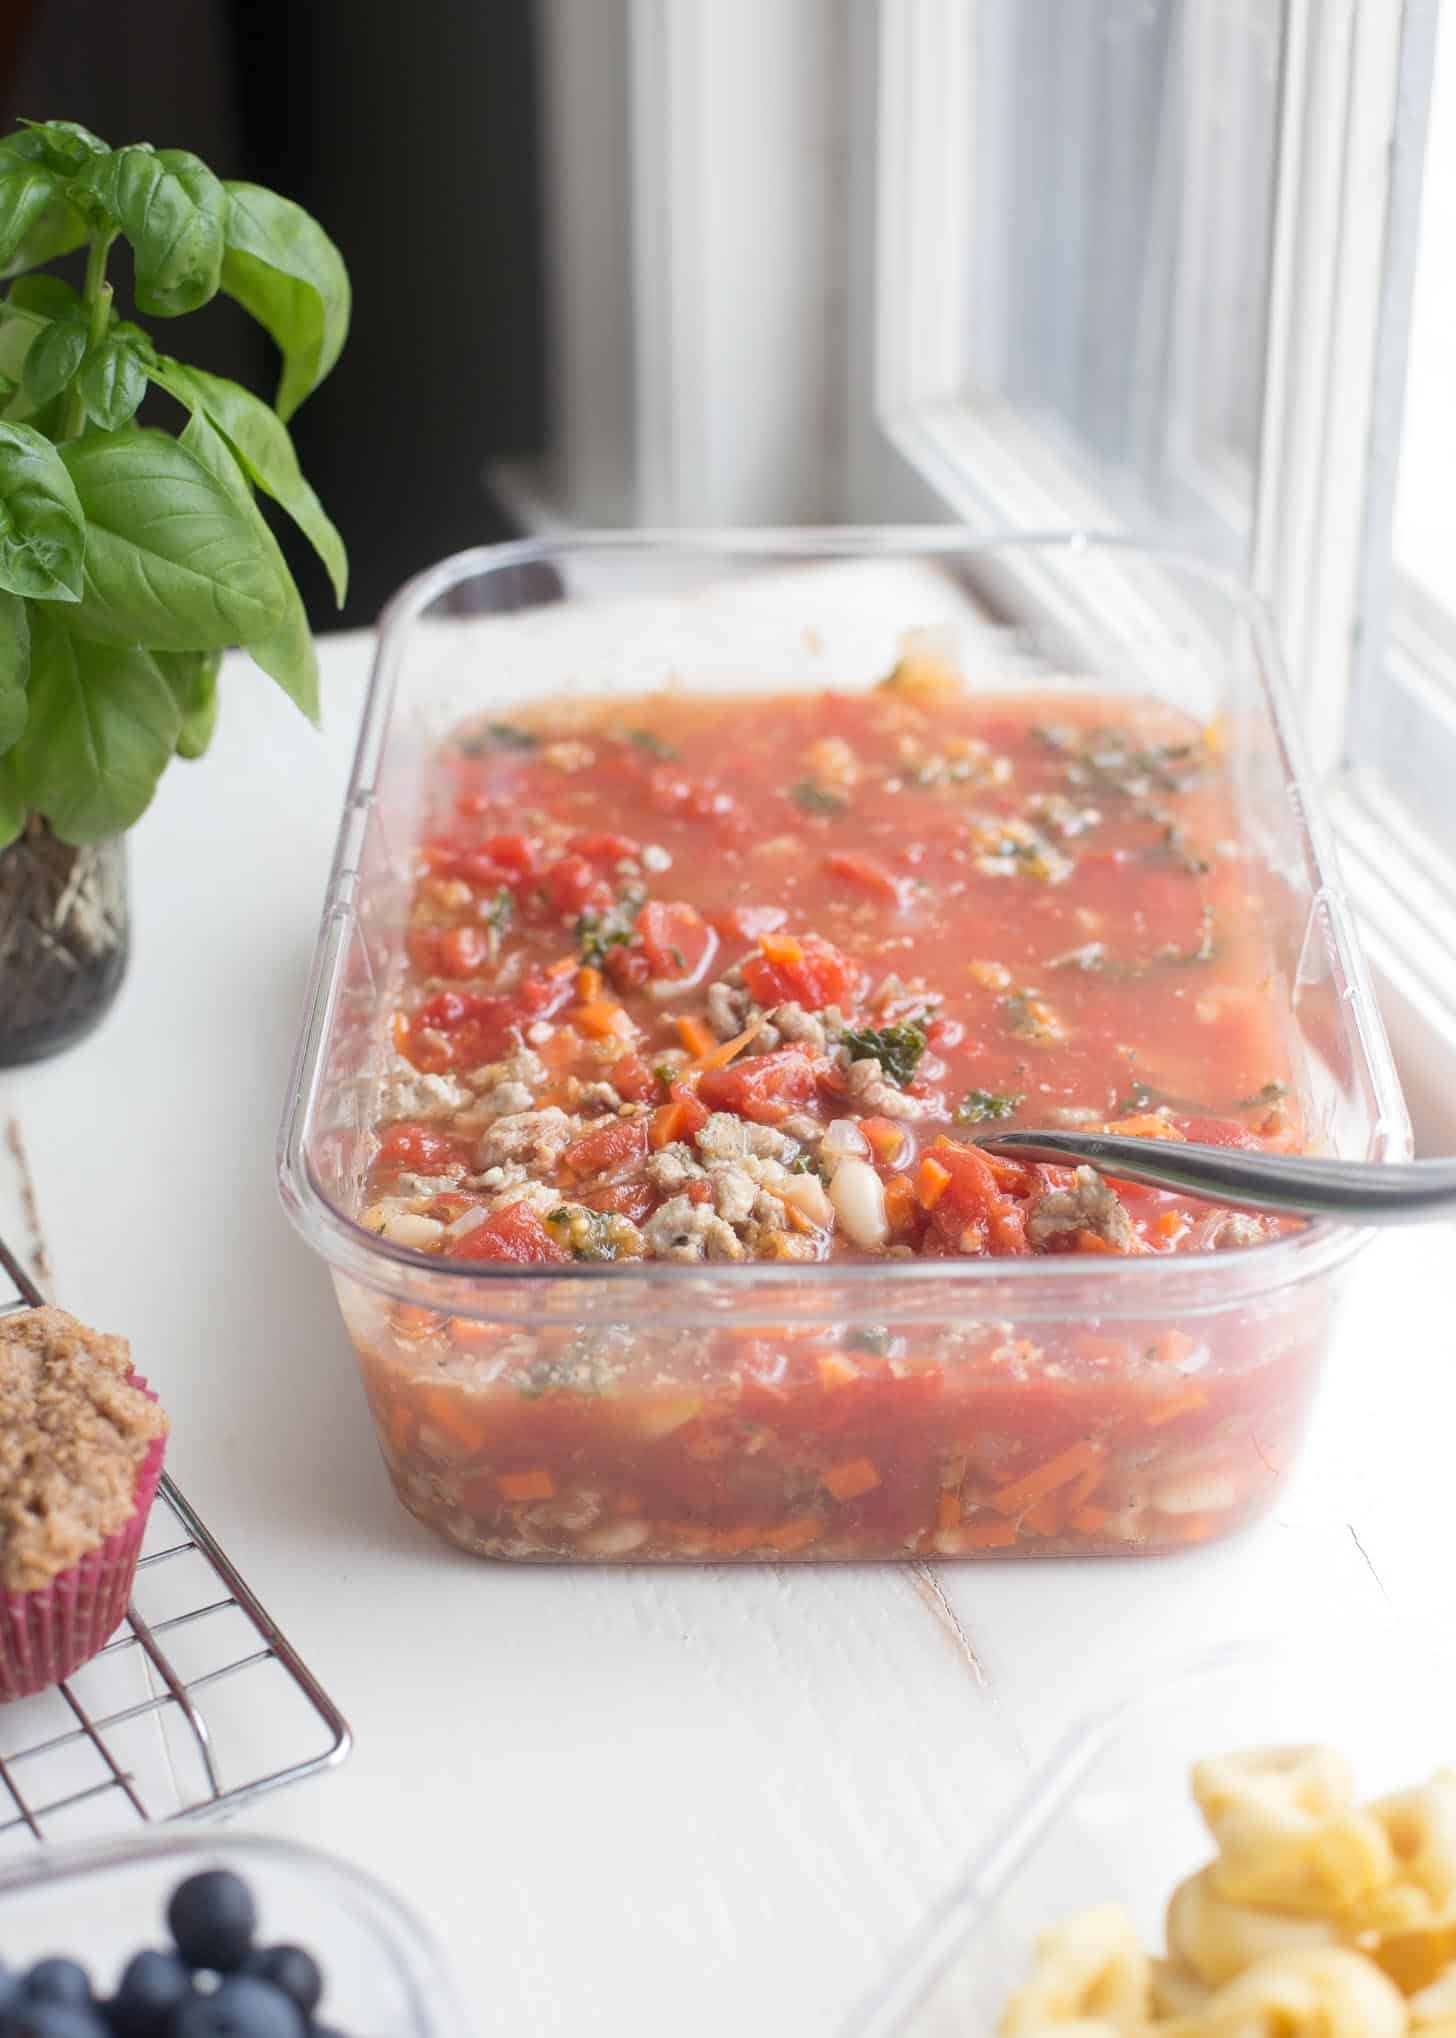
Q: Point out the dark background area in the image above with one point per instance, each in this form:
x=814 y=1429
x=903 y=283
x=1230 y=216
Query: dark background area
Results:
x=410 y=132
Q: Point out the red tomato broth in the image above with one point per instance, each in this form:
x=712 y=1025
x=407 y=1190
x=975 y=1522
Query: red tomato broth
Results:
x=1109 y=966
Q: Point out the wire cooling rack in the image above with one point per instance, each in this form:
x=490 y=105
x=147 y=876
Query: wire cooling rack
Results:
x=196 y=1705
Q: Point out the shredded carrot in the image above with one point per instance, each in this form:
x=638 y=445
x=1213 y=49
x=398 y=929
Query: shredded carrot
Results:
x=794 y=1534
x=1145 y=1125
x=471 y=1335
x=1061 y=1470
x=446 y=1412
x=695 y=1036
x=1044 y=1519
x=602 y=1018
x=588 y=984
x=1082 y=1489
x=537 y=1485
x=931 y=1182
x=886 y=1137
x=989 y=1535
x=1181 y=1404
x=900 y=1202
x=1088 y=1521
x=560 y=967
x=948 y=1511
x=781 y=947
x=1172 y=1224
x=849 y=1480
x=721 y=1055
x=836 y=1371
x=991 y=976
x=1090 y=1242
x=667 y=1122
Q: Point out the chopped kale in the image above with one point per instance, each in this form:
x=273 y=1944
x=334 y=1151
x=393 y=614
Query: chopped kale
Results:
x=1176 y=847
x=665 y=1074
x=817 y=799
x=651 y=745
x=498 y=736
x=502 y=911
x=597 y=932
x=570 y=1373
x=1271 y=1093
x=873 y=1338
x=977 y=1106
x=588 y=1234
x=595 y=936
x=897 y=1049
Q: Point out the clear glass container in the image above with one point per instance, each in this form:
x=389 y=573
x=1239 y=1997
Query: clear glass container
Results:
x=383 y=1978
x=592 y=616
x=1111 y=1819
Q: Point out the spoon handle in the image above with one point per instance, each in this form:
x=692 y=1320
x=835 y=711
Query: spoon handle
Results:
x=1363 y=1192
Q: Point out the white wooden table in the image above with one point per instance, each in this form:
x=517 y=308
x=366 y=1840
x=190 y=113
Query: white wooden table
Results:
x=635 y=1801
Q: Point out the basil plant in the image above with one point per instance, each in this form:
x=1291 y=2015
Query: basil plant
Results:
x=132 y=557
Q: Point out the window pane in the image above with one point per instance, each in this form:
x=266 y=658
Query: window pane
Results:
x=1123 y=163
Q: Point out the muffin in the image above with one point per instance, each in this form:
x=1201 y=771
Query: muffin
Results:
x=81 y=1444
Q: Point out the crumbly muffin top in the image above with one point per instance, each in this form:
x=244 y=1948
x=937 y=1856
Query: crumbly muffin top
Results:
x=73 y=1434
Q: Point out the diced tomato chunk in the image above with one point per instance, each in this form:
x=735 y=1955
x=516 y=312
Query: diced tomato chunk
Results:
x=419 y=1149
x=514 y=1233
x=868 y=873
x=746 y=923
x=817 y=976
x=628 y=968
x=974 y=1200
x=607 y=1146
x=515 y=853
x=462 y=952
x=603 y=848
x=629 y=1199
x=676 y=938
x=765 y=1087
x=572 y=884
x=633 y=1081
x=477 y=1027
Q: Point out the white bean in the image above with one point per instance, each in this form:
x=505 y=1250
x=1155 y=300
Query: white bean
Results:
x=858 y=1196
x=843 y=1140
x=405 y=1228
x=615 y=1538
x=806 y=1193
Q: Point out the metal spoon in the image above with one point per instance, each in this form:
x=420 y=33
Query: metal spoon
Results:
x=1362 y=1192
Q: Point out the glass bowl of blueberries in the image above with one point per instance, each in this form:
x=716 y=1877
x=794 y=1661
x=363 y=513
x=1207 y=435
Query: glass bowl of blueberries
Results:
x=190 y=1937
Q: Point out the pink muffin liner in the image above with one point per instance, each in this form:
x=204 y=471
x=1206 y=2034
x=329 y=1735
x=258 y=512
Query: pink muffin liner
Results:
x=47 y=1634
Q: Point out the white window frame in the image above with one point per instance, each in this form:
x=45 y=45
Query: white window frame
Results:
x=733 y=349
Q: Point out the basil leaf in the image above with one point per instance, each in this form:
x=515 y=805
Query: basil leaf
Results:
x=283 y=269
x=172 y=560
x=46 y=296
x=286 y=653
x=59 y=229
x=62 y=145
x=192 y=676
x=12 y=801
x=53 y=359
x=103 y=724
x=14 y=667
x=259 y=438
x=42 y=524
x=27 y=190
x=171 y=208
x=112 y=383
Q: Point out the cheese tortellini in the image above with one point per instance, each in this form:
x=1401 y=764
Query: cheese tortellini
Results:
x=1316 y=1918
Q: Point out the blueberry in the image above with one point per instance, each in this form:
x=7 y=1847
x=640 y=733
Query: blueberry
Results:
x=213 y=1919
x=242 y=2007
x=292 y=1970
x=152 y=1986
x=51 y=2019
x=57 y=1981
